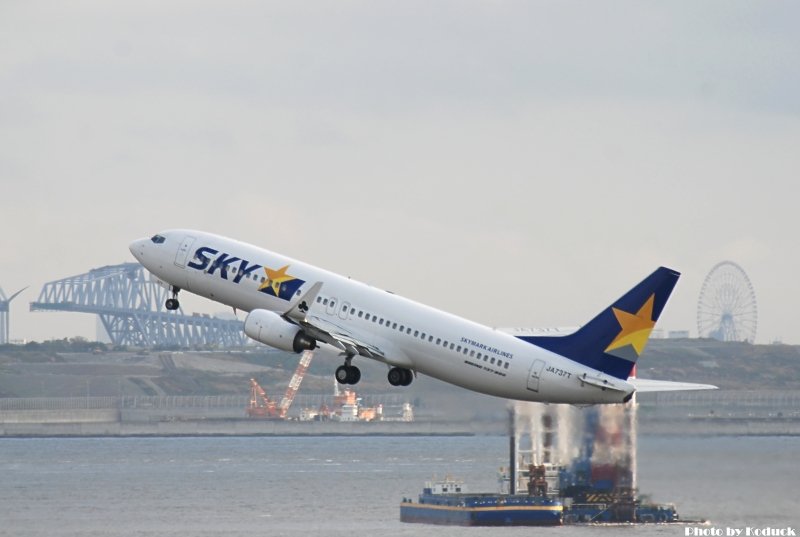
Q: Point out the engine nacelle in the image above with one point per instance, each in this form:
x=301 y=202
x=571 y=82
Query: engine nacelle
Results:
x=271 y=329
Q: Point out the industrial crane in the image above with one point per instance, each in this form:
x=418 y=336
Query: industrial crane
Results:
x=261 y=406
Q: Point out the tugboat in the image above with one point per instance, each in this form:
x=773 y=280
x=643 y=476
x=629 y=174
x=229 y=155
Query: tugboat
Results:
x=448 y=502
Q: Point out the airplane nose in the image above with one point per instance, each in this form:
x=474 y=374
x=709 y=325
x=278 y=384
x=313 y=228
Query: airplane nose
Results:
x=137 y=248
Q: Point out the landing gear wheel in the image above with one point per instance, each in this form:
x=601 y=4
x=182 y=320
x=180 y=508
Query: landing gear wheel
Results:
x=347 y=374
x=172 y=303
x=399 y=376
x=341 y=374
x=408 y=376
x=353 y=375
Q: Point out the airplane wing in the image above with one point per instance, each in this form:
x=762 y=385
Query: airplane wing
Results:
x=335 y=335
x=650 y=385
x=326 y=331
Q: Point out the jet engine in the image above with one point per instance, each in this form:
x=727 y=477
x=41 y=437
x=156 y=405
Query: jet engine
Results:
x=271 y=329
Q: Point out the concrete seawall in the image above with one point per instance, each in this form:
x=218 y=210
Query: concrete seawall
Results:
x=242 y=427
x=51 y=417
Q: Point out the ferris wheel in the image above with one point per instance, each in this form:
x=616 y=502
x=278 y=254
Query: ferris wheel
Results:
x=726 y=309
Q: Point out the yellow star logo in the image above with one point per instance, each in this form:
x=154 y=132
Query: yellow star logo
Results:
x=635 y=328
x=275 y=278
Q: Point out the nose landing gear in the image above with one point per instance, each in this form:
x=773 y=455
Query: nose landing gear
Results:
x=172 y=303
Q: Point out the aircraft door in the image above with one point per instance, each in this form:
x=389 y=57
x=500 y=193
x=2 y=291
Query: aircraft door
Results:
x=183 y=251
x=343 y=310
x=535 y=375
x=331 y=306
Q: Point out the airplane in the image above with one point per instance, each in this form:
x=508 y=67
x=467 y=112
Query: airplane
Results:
x=296 y=307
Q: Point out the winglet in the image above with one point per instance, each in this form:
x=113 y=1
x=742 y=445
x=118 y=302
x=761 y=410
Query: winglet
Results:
x=614 y=339
x=301 y=304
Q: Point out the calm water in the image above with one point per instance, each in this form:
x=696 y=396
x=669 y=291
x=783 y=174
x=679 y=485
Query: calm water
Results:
x=348 y=486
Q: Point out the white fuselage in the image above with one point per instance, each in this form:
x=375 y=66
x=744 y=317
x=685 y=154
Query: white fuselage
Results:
x=412 y=335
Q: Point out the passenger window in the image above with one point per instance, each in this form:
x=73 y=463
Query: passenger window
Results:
x=325 y=301
x=485 y=357
x=423 y=335
x=408 y=330
x=445 y=344
x=352 y=311
x=319 y=299
x=471 y=354
x=452 y=346
x=465 y=350
x=505 y=365
x=360 y=314
x=438 y=341
x=394 y=326
x=401 y=327
x=380 y=322
x=430 y=339
x=333 y=303
x=492 y=360
x=416 y=333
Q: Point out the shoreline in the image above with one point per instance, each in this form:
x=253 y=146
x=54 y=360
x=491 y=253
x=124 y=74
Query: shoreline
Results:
x=265 y=428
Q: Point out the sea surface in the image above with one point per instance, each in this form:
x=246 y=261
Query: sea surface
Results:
x=351 y=486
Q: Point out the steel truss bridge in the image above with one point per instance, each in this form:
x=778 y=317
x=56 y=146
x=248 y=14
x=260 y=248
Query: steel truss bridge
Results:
x=130 y=305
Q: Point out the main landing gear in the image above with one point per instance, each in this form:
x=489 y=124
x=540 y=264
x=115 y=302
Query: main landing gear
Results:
x=350 y=374
x=172 y=303
x=347 y=373
x=399 y=376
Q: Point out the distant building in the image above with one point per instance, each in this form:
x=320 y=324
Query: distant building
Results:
x=678 y=334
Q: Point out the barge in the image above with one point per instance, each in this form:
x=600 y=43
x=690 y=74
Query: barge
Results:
x=448 y=502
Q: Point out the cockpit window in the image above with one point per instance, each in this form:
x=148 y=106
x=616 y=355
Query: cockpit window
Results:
x=157 y=239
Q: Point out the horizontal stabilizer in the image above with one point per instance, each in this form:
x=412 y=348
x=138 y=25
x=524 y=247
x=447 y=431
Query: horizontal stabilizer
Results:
x=650 y=385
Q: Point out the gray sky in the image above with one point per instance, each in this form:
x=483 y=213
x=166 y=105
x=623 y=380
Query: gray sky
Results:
x=516 y=163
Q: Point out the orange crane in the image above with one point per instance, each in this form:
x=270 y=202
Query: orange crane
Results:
x=261 y=406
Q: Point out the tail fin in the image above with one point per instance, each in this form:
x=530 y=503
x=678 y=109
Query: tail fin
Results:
x=613 y=341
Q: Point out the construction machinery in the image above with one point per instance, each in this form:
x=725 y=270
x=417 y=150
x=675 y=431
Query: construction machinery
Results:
x=261 y=406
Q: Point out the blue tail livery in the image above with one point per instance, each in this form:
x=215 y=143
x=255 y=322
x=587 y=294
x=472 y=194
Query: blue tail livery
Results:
x=613 y=341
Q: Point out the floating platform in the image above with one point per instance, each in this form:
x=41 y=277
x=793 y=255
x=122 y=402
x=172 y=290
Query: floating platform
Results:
x=447 y=502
